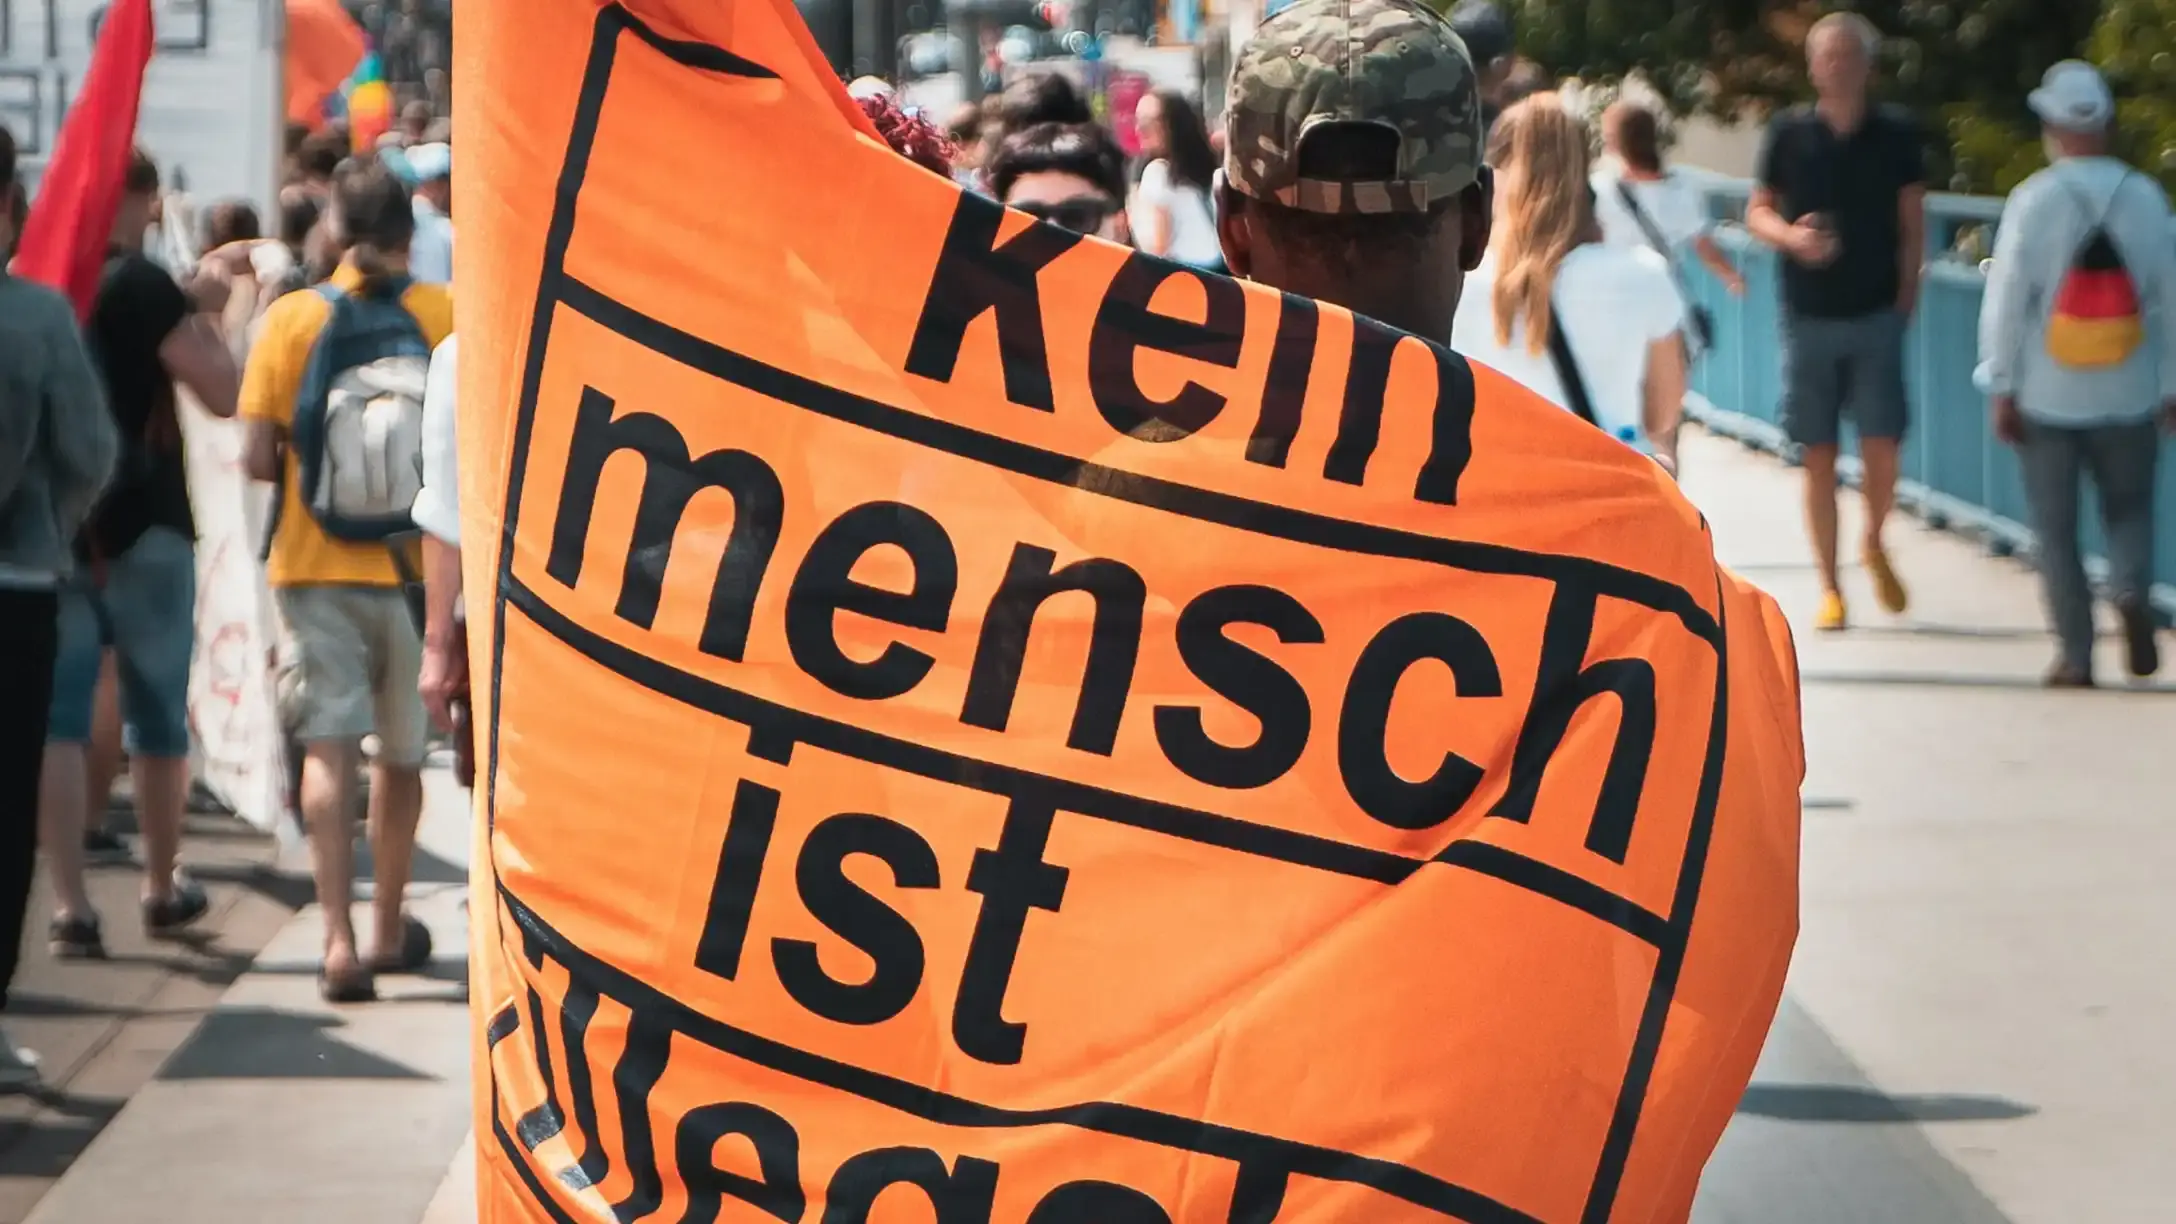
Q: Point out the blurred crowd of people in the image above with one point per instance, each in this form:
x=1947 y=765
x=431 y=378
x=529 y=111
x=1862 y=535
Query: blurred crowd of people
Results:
x=414 y=41
x=1038 y=147
x=97 y=531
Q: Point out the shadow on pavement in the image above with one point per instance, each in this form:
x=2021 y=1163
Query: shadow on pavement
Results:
x=1961 y=680
x=56 y=1005
x=264 y=1043
x=1840 y=1103
x=44 y=1145
x=1910 y=630
x=290 y=890
x=443 y=969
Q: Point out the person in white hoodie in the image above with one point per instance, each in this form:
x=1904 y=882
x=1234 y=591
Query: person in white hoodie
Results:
x=2068 y=415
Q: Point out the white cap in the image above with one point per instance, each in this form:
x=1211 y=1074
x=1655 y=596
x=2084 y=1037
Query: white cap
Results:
x=868 y=87
x=2073 y=96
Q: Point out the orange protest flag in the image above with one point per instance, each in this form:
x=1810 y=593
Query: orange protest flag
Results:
x=982 y=721
x=324 y=44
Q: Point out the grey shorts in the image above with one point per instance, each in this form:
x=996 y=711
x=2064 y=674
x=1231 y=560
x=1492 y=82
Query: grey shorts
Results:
x=349 y=661
x=1836 y=366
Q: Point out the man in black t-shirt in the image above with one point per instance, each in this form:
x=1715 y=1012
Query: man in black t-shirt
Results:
x=136 y=587
x=1841 y=194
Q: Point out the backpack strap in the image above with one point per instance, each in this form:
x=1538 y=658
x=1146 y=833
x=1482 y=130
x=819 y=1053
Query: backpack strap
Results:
x=305 y=429
x=1567 y=370
x=1699 y=329
x=1646 y=223
x=315 y=386
x=2097 y=218
x=305 y=435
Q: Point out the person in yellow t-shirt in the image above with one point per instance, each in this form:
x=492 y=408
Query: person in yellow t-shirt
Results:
x=350 y=654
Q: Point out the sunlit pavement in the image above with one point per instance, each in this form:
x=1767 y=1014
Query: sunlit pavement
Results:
x=1978 y=1021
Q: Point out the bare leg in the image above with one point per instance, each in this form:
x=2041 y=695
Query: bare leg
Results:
x=328 y=794
x=60 y=826
x=1820 y=465
x=1878 y=484
x=102 y=758
x=396 y=804
x=162 y=796
x=1879 y=457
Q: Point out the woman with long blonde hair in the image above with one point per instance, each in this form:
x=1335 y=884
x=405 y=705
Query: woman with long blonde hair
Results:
x=1594 y=329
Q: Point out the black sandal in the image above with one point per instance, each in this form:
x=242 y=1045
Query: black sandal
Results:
x=358 y=987
x=415 y=950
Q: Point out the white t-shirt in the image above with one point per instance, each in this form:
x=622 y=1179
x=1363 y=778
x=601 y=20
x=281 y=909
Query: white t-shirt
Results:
x=1193 y=229
x=1612 y=303
x=430 y=251
x=437 y=508
x=1677 y=208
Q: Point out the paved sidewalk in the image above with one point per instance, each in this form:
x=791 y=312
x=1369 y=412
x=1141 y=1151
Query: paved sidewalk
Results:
x=103 y=1028
x=271 y=1106
x=1978 y=1022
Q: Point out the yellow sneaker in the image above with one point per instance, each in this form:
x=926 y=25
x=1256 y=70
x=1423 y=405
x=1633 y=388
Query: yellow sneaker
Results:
x=1831 y=616
x=1888 y=588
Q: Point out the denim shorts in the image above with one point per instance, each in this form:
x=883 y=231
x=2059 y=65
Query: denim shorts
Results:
x=145 y=611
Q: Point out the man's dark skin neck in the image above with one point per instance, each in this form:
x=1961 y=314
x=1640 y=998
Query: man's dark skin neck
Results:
x=1417 y=295
x=1388 y=295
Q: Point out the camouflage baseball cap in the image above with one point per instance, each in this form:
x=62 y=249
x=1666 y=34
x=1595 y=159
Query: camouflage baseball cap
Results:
x=1390 y=62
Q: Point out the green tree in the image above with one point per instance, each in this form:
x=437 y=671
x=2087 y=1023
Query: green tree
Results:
x=2135 y=44
x=1717 y=56
x=1963 y=66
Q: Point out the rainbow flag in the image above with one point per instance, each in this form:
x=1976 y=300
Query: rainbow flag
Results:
x=369 y=104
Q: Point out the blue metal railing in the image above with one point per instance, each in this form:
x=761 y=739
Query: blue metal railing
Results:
x=1956 y=475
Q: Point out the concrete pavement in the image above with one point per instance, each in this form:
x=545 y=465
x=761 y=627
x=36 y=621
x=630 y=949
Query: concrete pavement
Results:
x=279 y=1108
x=1976 y=1033
x=104 y=1028
x=1987 y=908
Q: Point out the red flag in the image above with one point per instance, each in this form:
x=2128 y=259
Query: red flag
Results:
x=64 y=240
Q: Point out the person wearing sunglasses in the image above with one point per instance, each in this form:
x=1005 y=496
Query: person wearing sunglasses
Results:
x=1072 y=175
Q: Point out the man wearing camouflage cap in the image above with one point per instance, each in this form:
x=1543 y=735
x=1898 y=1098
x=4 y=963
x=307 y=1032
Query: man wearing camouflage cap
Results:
x=1352 y=169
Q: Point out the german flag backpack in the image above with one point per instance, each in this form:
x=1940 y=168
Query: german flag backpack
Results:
x=2096 y=321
